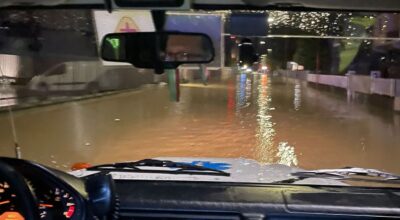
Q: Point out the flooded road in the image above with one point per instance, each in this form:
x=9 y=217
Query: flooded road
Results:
x=269 y=119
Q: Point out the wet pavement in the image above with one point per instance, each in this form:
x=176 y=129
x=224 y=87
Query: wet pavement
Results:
x=270 y=119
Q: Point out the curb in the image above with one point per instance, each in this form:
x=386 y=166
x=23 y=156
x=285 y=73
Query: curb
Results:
x=61 y=100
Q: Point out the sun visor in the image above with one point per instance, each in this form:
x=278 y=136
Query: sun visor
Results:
x=115 y=4
x=5 y=3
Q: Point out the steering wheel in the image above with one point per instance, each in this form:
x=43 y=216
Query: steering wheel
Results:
x=20 y=196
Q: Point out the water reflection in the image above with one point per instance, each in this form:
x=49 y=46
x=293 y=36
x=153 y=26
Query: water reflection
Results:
x=79 y=131
x=243 y=91
x=266 y=132
x=268 y=152
x=286 y=154
x=297 y=96
x=231 y=101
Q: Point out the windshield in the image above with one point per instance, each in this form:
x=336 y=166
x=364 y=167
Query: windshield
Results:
x=305 y=89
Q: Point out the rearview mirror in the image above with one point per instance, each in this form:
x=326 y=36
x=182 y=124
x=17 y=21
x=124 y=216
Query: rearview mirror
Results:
x=157 y=49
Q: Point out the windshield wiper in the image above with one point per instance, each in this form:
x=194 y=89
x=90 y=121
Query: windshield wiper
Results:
x=175 y=168
x=347 y=173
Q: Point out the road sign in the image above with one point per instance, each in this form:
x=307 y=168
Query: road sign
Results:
x=121 y=21
x=126 y=24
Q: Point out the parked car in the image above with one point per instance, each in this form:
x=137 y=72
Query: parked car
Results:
x=86 y=77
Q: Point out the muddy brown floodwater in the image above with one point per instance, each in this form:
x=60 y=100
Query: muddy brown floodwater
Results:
x=269 y=119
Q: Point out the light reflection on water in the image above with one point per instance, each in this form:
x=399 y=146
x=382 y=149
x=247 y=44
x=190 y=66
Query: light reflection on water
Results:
x=266 y=132
x=297 y=96
x=286 y=154
x=243 y=91
x=267 y=151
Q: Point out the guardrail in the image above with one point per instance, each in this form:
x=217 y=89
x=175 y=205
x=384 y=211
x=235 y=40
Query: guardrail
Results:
x=361 y=84
x=397 y=88
x=330 y=80
x=352 y=83
x=383 y=87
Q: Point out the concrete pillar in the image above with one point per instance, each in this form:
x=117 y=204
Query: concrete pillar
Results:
x=350 y=96
x=157 y=78
x=397 y=103
x=396 y=120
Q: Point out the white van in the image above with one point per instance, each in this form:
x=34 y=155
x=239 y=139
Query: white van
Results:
x=85 y=76
x=8 y=95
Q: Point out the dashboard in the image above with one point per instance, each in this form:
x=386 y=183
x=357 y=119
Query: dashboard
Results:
x=56 y=195
x=54 y=200
x=8 y=207
x=31 y=191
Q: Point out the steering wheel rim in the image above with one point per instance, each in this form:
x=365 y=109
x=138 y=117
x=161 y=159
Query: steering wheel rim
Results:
x=25 y=199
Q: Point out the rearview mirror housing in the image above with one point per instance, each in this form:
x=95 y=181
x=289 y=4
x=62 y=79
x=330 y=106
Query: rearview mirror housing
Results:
x=153 y=50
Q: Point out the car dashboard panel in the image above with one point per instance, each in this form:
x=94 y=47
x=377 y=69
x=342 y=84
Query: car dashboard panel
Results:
x=57 y=195
x=180 y=200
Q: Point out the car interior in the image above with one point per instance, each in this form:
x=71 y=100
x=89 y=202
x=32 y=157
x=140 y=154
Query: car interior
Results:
x=29 y=190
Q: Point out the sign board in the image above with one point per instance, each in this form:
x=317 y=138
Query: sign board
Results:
x=238 y=24
x=121 y=21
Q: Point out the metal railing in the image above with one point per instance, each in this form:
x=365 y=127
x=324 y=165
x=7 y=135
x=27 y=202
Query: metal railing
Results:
x=356 y=83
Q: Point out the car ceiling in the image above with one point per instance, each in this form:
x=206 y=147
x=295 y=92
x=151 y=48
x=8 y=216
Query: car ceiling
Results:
x=353 y=5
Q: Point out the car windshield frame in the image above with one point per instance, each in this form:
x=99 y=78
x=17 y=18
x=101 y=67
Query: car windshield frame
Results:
x=355 y=34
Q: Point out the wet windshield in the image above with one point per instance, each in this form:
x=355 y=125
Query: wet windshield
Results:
x=315 y=90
